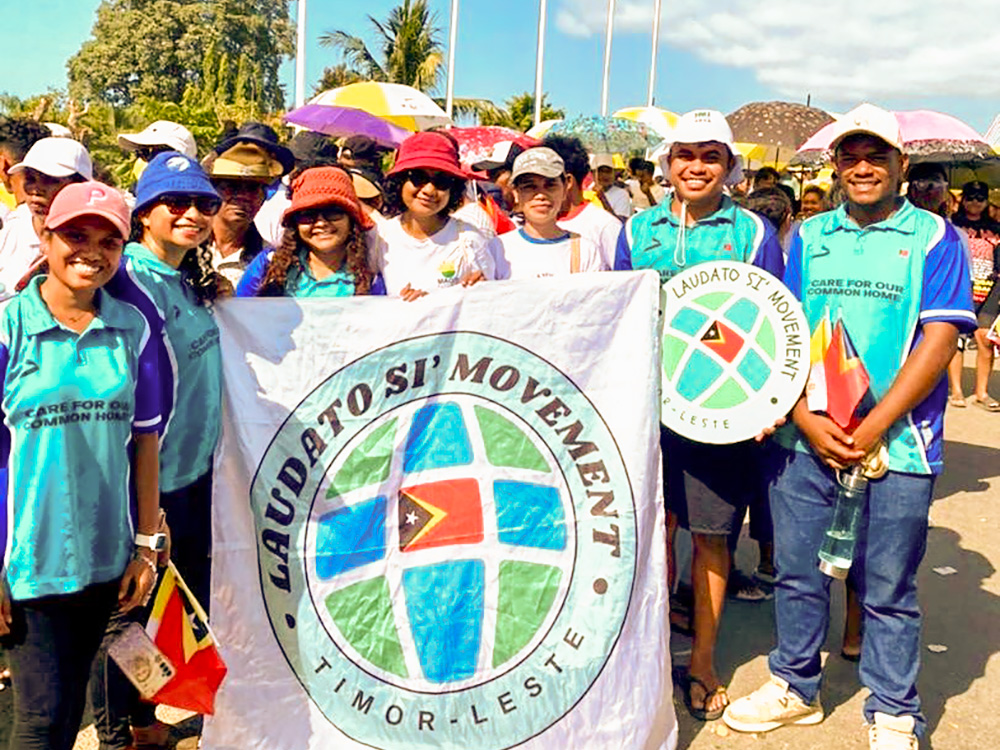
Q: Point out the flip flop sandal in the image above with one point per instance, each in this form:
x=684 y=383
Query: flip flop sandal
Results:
x=987 y=404
x=958 y=403
x=685 y=680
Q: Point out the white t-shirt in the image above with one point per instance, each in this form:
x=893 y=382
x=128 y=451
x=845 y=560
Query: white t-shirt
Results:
x=19 y=247
x=597 y=225
x=438 y=262
x=268 y=218
x=619 y=200
x=525 y=257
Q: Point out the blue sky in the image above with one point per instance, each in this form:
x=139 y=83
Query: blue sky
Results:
x=719 y=55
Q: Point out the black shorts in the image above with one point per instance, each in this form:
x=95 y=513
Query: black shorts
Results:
x=708 y=487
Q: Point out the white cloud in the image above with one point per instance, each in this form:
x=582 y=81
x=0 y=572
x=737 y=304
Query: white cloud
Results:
x=844 y=50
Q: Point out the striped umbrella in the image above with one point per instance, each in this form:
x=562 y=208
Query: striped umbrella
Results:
x=660 y=120
x=345 y=121
x=402 y=105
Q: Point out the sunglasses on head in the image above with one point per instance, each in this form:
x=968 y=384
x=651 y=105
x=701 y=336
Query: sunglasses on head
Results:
x=179 y=204
x=420 y=177
x=326 y=213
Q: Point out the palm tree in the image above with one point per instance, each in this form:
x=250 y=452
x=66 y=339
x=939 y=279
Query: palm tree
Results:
x=411 y=51
x=519 y=113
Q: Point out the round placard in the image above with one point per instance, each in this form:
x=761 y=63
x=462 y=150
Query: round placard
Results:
x=735 y=351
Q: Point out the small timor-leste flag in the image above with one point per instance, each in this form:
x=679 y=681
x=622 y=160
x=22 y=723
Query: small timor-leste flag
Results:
x=179 y=627
x=846 y=377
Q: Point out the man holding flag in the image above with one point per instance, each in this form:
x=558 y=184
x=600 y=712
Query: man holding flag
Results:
x=895 y=280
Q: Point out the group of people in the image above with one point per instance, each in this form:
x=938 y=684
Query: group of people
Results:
x=108 y=450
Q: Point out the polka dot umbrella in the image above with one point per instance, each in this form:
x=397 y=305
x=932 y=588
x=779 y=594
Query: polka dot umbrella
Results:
x=780 y=127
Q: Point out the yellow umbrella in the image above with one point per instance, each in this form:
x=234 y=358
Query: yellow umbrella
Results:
x=660 y=120
x=399 y=104
x=757 y=155
x=539 y=130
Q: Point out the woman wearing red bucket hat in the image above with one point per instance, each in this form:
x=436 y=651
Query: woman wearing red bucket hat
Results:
x=324 y=247
x=422 y=248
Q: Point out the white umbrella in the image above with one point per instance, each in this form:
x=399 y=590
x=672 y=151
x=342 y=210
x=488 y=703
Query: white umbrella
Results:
x=399 y=104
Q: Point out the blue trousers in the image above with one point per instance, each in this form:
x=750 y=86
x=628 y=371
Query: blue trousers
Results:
x=891 y=542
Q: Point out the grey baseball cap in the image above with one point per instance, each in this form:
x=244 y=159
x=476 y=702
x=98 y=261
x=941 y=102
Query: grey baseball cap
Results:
x=538 y=160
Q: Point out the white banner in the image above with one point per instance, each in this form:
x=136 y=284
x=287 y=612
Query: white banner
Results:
x=439 y=524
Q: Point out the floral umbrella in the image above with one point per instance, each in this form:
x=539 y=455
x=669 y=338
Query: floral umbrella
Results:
x=608 y=135
x=476 y=143
x=660 y=120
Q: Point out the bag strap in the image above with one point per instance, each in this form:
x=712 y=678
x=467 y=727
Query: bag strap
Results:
x=574 y=255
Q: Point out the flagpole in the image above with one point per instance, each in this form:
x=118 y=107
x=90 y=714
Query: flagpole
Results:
x=539 y=60
x=452 y=41
x=300 y=56
x=607 y=57
x=656 y=43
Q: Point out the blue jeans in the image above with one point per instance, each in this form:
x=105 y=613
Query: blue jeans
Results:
x=892 y=539
x=52 y=643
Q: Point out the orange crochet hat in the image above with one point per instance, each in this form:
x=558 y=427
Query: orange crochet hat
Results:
x=326 y=186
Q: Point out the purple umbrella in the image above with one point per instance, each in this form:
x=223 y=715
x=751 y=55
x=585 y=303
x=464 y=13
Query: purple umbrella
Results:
x=344 y=121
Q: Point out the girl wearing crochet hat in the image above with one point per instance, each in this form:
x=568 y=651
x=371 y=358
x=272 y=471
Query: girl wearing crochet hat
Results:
x=167 y=275
x=324 y=248
x=422 y=248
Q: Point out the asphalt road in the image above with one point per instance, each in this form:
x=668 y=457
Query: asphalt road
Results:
x=960 y=686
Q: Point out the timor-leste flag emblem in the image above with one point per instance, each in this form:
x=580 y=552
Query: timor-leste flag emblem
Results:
x=440 y=513
x=723 y=340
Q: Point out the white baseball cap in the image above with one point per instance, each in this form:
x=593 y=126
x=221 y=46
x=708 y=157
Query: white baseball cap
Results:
x=702 y=126
x=602 y=160
x=161 y=133
x=57 y=157
x=871 y=120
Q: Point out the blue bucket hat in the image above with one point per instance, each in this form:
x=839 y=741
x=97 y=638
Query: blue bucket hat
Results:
x=171 y=173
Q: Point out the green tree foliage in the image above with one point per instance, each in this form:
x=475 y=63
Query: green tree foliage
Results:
x=335 y=76
x=158 y=49
x=519 y=113
x=409 y=48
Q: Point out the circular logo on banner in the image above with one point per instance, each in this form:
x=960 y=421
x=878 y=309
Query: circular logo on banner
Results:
x=735 y=351
x=447 y=544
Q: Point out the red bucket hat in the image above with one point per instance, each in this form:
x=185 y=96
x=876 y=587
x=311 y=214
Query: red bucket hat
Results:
x=429 y=150
x=326 y=186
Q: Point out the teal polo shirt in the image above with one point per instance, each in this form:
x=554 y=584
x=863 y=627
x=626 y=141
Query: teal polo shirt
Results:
x=71 y=402
x=300 y=281
x=885 y=282
x=655 y=239
x=190 y=363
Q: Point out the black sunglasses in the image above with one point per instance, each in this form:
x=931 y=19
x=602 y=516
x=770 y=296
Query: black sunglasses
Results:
x=420 y=177
x=146 y=153
x=326 y=213
x=179 y=204
x=976 y=196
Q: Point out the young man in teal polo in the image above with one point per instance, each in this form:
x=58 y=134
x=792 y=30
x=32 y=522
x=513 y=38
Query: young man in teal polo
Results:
x=697 y=222
x=898 y=280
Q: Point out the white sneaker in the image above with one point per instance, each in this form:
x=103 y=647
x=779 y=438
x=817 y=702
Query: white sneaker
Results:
x=771 y=706
x=892 y=733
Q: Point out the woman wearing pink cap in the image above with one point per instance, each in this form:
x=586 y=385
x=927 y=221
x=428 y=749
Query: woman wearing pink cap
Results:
x=422 y=248
x=324 y=246
x=81 y=408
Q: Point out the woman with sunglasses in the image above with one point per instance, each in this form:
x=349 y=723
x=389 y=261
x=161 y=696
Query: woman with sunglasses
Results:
x=973 y=218
x=81 y=408
x=422 y=248
x=324 y=247
x=167 y=274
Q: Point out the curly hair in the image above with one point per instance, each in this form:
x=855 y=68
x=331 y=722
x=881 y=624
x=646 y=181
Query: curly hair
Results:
x=393 y=195
x=291 y=248
x=196 y=270
x=18 y=134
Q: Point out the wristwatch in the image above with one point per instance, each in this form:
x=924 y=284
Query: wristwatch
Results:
x=156 y=542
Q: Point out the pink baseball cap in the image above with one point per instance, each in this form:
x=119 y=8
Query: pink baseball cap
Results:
x=89 y=199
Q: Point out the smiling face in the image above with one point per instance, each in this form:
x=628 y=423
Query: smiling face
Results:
x=698 y=171
x=812 y=204
x=426 y=193
x=324 y=230
x=540 y=198
x=83 y=254
x=40 y=189
x=176 y=223
x=870 y=171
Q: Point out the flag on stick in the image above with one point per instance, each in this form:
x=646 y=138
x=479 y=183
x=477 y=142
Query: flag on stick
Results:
x=846 y=377
x=179 y=627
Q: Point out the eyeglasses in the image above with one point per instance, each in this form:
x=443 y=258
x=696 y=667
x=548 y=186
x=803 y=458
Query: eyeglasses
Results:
x=179 y=204
x=328 y=214
x=420 y=177
x=923 y=183
x=236 y=187
x=975 y=196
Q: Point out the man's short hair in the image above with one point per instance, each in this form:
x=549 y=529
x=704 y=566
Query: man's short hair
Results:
x=765 y=173
x=18 y=134
x=573 y=154
x=772 y=203
x=641 y=165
